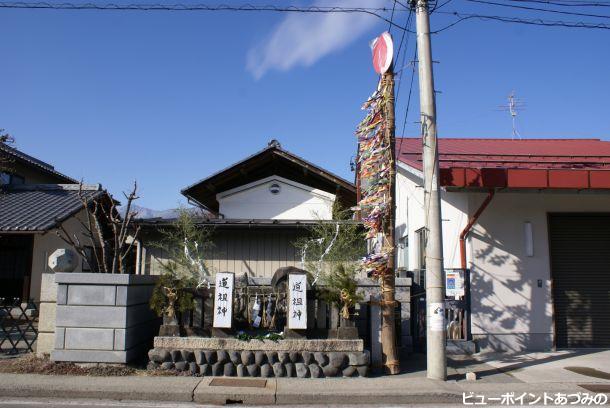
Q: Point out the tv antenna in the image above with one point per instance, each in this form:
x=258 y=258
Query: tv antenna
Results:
x=514 y=106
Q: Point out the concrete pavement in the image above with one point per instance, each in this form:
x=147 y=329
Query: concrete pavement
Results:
x=498 y=374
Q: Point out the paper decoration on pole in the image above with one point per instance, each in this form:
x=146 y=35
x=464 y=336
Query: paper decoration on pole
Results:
x=375 y=161
x=383 y=52
x=223 y=300
x=297 y=301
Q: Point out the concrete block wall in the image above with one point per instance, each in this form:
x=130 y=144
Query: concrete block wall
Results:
x=103 y=318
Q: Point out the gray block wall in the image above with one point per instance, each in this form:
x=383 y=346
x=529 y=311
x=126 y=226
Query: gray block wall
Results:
x=103 y=318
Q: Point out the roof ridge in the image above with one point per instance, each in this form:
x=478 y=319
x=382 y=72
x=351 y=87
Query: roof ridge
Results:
x=51 y=187
x=511 y=140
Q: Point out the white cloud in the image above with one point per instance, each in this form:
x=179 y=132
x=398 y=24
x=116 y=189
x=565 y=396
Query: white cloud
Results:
x=302 y=39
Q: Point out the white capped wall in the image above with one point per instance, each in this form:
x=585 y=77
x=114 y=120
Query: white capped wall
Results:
x=294 y=201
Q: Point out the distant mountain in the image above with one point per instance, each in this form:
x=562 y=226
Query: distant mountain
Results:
x=171 y=213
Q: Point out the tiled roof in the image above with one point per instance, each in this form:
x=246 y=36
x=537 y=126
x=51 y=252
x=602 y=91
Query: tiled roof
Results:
x=527 y=163
x=507 y=153
x=40 y=207
x=46 y=167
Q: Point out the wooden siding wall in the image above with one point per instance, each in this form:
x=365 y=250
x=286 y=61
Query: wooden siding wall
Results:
x=258 y=253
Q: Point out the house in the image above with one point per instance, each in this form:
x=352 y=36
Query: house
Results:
x=258 y=208
x=35 y=200
x=530 y=220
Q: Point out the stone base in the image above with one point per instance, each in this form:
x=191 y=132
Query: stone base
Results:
x=213 y=343
x=169 y=330
x=260 y=363
x=221 y=333
x=295 y=334
x=345 y=333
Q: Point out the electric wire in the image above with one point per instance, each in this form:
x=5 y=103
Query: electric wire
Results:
x=570 y=13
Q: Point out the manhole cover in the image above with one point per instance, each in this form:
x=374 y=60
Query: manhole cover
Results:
x=597 y=388
x=239 y=382
x=589 y=372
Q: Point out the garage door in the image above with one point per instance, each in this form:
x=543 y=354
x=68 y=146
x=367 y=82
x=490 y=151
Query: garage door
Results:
x=580 y=266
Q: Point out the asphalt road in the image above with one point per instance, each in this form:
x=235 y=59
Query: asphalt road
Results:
x=85 y=403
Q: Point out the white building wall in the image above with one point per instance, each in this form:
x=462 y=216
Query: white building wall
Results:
x=509 y=310
x=295 y=201
x=410 y=217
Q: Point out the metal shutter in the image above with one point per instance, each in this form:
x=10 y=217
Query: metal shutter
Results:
x=580 y=267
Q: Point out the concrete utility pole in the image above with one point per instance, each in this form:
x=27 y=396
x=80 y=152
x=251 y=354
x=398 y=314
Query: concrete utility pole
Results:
x=435 y=282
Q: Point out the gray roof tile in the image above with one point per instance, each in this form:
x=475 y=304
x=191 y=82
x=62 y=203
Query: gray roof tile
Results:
x=40 y=207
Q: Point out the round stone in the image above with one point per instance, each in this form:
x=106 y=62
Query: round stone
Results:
x=200 y=357
x=222 y=356
x=294 y=357
x=307 y=357
x=259 y=358
x=283 y=357
x=279 y=370
x=210 y=356
x=217 y=369
x=205 y=369
x=361 y=358
x=302 y=370
x=272 y=357
x=349 y=371
x=266 y=371
x=235 y=357
x=180 y=365
x=290 y=370
x=187 y=355
x=363 y=370
x=152 y=365
x=330 y=371
x=159 y=355
x=321 y=358
x=229 y=370
x=176 y=355
x=315 y=371
x=193 y=368
x=336 y=359
x=253 y=370
x=241 y=370
x=247 y=357
x=168 y=365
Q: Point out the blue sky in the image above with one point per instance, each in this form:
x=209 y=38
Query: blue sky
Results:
x=168 y=98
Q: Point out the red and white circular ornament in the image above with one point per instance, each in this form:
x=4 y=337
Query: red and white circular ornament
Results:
x=383 y=52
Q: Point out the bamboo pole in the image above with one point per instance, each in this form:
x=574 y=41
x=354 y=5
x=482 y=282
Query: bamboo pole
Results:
x=387 y=280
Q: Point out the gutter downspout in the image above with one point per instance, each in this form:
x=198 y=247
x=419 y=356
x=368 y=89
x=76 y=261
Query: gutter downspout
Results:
x=468 y=227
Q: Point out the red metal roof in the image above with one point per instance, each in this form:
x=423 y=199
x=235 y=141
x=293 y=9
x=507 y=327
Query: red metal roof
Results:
x=531 y=163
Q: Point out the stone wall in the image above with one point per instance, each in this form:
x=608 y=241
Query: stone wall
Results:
x=103 y=318
x=261 y=363
x=46 y=316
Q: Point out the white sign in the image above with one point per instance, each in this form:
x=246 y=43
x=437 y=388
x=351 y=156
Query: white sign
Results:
x=223 y=300
x=436 y=316
x=454 y=283
x=297 y=301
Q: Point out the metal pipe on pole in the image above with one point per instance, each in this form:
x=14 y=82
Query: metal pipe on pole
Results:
x=435 y=282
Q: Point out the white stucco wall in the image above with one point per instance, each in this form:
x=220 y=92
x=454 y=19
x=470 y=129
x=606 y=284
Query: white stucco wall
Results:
x=509 y=310
x=45 y=245
x=410 y=217
x=295 y=201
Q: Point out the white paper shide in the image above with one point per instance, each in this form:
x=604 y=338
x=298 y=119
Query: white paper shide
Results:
x=223 y=300
x=297 y=298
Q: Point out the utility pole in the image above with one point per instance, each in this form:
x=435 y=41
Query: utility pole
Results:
x=435 y=282
x=388 y=279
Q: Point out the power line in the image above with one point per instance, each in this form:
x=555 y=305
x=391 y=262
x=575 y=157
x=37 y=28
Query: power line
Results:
x=199 y=7
x=517 y=20
x=567 y=3
x=570 y=13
